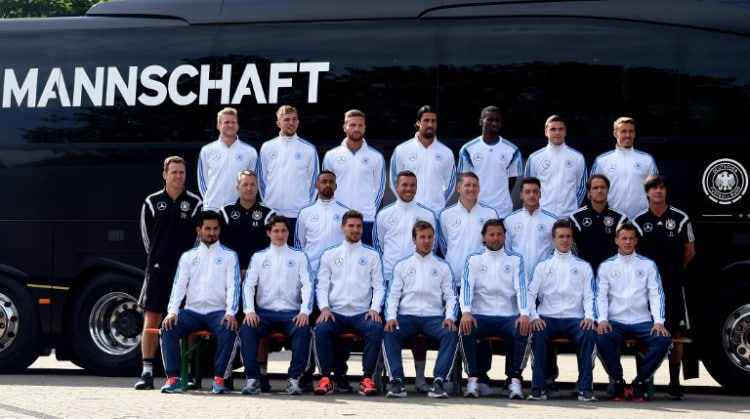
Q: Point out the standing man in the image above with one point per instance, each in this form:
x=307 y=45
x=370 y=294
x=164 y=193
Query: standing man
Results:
x=629 y=303
x=319 y=224
x=428 y=158
x=494 y=301
x=421 y=299
x=221 y=160
x=563 y=286
x=595 y=223
x=560 y=169
x=529 y=233
x=460 y=235
x=667 y=238
x=287 y=169
x=277 y=297
x=245 y=233
x=360 y=169
x=626 y=169
x=393 y=240
x=208 y=279
x=350 y=291
x=494 y=159
x=167 y=230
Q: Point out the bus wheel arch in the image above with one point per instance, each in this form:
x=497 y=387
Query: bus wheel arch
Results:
x=106 y=324
x=20 y=329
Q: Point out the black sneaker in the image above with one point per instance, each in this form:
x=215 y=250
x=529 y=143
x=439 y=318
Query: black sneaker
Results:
x=639 y=391
x=229 y=383
x=146 y=382
x=618 y=390
x=437 y=391
x=552 y=391
x=674 y=393
x=397 y=390
x=265 y=383
x=537 y=394
x=192 y=384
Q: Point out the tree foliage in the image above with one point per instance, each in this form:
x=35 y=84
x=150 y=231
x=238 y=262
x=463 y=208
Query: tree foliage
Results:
x=44 y=8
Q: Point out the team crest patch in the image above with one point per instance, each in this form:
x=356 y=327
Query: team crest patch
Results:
x=234 y=215
x=568 y=163
x=298 y=156
x=507 y=269
x=239 y=157
x=365 y=161
x=362 y=261
x=609 y=221
x=438 y=157
x=337 y=217
x=725 y=181
x=434 y=272
x=257 y=215
x=541 y=228
x=640 y=273
x=671 y=224
x=161 y=205
x=219 y=260
x=575 y=272
x=185 y=206
x=290 y=263
x=638 y=166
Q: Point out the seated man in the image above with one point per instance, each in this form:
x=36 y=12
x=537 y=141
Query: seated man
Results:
x=350 y=291
x=630 y=304
x=421 y=299
x=208 y=276
x=494 y=302
x=562 y=284
x=284 y=299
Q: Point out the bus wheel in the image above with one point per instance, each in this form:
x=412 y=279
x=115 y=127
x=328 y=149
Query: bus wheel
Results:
x=19 y=327
x=106 y=325
x=726 y=353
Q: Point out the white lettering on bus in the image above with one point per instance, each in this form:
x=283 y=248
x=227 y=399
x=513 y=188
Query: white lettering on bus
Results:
x=154 y=85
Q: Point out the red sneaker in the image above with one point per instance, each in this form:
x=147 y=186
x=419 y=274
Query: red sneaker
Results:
x=325 y=386
x=367 y=388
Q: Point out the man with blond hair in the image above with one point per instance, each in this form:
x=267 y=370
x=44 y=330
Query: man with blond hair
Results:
x=221 y=160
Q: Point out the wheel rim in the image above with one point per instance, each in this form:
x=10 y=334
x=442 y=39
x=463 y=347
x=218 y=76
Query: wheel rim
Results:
x=8 y=322
x=115 y=323
x=737 y=337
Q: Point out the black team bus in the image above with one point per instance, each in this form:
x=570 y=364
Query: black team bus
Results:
x=91 y=105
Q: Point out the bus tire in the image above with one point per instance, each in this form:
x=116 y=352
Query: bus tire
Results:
x=106 y=325
x=726 y=339
x=19 y=327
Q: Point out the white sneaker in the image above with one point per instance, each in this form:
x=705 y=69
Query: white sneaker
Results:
x=471 y=390
x=292 y=387
x=484 y=389
x=515 y=391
